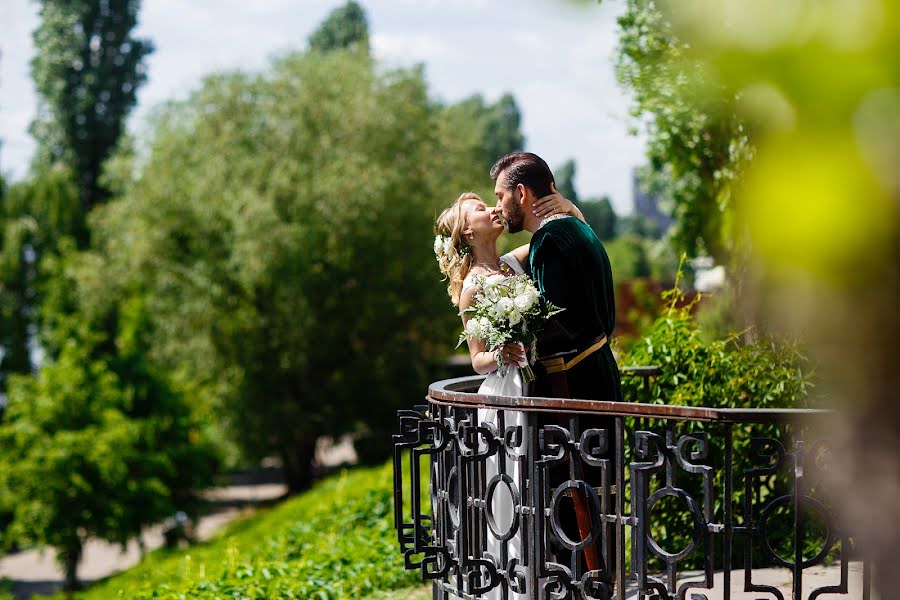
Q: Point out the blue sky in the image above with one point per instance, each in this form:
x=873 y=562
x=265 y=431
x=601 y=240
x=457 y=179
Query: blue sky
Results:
x=555 y=56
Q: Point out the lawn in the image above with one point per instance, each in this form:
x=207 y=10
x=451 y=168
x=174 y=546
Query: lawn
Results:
x=334 y=541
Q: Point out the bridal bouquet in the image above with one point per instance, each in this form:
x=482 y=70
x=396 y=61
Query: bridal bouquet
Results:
x=507 y=309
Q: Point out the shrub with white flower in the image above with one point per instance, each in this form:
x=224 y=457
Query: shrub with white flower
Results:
x=507 y=309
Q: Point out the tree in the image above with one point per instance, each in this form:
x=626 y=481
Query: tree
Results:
x=628 y=257
x=503 y=129
x=87 y=70
x=35 y=216
x=13 y=324
x=280 y=231
x=97 y=444
x=497 y=128
x=601 y=217
x=565 y=180
x=345 y=27
x=697 y=145
x=820 y=204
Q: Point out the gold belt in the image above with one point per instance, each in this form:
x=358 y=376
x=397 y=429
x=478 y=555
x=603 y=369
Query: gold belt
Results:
x=558 y=363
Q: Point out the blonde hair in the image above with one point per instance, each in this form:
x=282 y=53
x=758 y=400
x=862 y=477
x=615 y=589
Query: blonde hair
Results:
x=455 y=263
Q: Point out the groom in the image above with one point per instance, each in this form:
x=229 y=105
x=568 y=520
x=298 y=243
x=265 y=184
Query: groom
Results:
x=571 y=269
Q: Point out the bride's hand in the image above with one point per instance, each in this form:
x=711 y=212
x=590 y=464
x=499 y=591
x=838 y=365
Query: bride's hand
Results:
x=553 y=204
x=513 y=354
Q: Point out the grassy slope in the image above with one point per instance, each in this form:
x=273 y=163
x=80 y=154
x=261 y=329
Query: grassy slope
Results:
x=335 y=541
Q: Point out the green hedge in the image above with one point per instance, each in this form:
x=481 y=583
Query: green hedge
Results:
x=726 y=373
x=335 y=541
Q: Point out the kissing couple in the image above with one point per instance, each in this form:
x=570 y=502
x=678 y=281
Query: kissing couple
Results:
x=570 y=269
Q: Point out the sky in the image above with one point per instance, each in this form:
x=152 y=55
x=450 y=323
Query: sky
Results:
x=554 y=56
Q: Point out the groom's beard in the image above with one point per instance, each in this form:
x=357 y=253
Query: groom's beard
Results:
x=515 y=219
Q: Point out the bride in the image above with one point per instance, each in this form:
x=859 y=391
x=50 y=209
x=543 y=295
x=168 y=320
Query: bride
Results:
x=466 y=246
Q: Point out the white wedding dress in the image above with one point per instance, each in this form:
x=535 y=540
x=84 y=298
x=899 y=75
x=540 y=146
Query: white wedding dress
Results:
x=502 y=506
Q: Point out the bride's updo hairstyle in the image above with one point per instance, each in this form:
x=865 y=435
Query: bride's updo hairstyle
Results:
x=454 y=255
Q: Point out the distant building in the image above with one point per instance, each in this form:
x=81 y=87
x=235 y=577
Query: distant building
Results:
x=647 y=205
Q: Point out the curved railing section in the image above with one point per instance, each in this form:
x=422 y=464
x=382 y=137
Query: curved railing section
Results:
x=524 y=497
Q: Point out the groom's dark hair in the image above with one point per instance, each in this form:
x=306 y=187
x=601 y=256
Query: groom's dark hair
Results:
x=526 y=168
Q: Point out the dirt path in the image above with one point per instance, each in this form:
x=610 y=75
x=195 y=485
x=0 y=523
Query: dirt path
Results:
x=35 y=572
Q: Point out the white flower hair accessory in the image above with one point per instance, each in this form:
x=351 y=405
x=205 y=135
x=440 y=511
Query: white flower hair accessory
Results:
x=443 y=247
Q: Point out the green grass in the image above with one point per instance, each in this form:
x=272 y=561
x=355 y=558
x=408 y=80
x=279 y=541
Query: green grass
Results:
x=335 y=541
x=421 y=592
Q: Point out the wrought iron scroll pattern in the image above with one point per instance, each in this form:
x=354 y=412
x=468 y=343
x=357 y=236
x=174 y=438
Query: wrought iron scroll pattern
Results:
x=480 y=460
x=798 y=475
x=666 y=455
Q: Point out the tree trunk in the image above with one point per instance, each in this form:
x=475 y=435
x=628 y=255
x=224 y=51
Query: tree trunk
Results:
x=70 y=557
x=297 y=459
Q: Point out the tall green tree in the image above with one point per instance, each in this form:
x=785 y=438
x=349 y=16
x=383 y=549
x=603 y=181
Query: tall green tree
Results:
x=97 y=444
x=280 y=230
x=565 y=180
x=497 y=127
x=697 y=145
x=87 y=69
x=13 y=323
x=345 y=27
x=601 y=216
x=35 y=215
x=503 y=128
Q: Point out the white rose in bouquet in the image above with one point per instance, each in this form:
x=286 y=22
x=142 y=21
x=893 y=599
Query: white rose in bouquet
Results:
x=473 y=328
x=486 y=326
x=524 y=302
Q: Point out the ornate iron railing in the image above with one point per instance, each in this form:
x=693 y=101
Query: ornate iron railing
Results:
x=555 y=498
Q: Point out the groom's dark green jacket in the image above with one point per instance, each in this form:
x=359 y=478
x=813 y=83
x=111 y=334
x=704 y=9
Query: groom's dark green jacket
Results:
x=571 y=269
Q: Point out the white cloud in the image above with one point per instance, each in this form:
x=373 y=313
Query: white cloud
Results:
x=400 y=46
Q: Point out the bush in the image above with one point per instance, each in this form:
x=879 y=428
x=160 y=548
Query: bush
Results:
x=723 y=373
x=335 y=541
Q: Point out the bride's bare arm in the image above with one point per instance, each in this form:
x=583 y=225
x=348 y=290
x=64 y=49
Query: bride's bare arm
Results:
x=554 y=204
x=521 y=255
x=484 y=361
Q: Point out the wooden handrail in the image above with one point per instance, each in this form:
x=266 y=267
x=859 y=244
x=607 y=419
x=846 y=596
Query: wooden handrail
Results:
x=461 y=392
